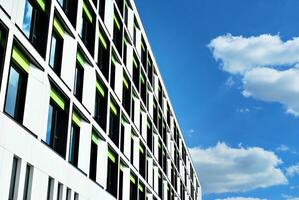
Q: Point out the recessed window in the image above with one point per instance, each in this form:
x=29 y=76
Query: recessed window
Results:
x=160 y=185
x=74 y=139
x=15 y=173
x=133 y=187
x=50 y=190
x=28 y=182
x=136 y=72
x=124 y=121
x=141 y=189
x=102 y=9
x=79 y=77
x=143 y=54
x=59 y=191
x=103 y=53
x=57 y=123
x=112 y=173
x=93 y=156
x=17 y=84
x=87 y=32
x=68 y=194
x=121 y=182
x=114 y=123
x=143 y=88
x=149 y=140
x=70 y=9
x=36 y=16
x=117 y=33
x=142 y=160
x=126 y=98
x=3 y=41
x=101 y=104
x=132 y=148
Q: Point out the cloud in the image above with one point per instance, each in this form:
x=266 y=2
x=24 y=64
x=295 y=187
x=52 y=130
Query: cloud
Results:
x=267 y=66
x=289 y=197
x=230 y=82
x=241 y=198
x=225 y=169
x=283 y=148
x=292 y=170
x=244 y=110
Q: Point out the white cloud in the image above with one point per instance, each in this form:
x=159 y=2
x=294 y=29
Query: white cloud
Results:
x=289 y=197
x=267 y=65
x=224 y=169
x=230 y=82
x=292 y=170
x=241 y=198
x=283 y=148
x=244 y=110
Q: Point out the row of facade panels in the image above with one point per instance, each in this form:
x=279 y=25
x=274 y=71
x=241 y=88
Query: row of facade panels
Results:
x=105 y=95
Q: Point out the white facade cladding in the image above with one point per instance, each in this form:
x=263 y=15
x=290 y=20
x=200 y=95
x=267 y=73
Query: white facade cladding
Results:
x=84 y=113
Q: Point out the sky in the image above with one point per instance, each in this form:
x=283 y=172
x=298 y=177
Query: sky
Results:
x=232 y=74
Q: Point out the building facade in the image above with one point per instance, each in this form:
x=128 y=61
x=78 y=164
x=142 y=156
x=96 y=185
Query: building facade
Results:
x=84 y=113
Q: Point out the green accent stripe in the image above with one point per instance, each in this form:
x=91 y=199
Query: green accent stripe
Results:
x=102 y=39
x=76 y=119
x=80 y=59
x=58 y=27
x=100 y=88
x=159 y=174
x=142 y=46
x=95 y=138
x=113 y=108
x=42 y=4
x=113 y=60
x=132 y=178
x=126 y=83
x=135 y=62
x=57 y=98
x=141 y=149
x=142 y=78
x=141 y=187
x=20 y=59
x=111 y=156
x=87 y=12
x=116 y=22
x=121 y=167
x=148 y=125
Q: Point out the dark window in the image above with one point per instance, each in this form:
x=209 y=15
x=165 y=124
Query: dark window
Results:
x=76 y=196
x=122 y=135
x=143 y=54
x=102 y=9
x=149 y=140
x=56 y=53
x=120 y=4
x=112 y=173
x=120 y=184
x=50 y=188
x=141 y=191
x=16 y=87
x=160 y=183
x=126 y=98
x=114 y=123
x=101 y=105
x=150 y=70
x=87 y=32
x=103 y=53
x=35 y=17
x=74 y=144
x=142 y=160
x=13 y=179
x=125 y=43
x=59 y=191
x=28 y=182
x=93 y=157
x=112 y=73
x=143 y=88
x=3 y=39
x=132 y=149
x=57 y=123
x=70 y=9
x=133 y=187
x=68 y=194
x=136 y=75
x=117 y=33
x=78 y=84
x=155 y=113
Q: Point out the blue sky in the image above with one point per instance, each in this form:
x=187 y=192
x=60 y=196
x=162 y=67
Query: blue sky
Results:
x=209 y=99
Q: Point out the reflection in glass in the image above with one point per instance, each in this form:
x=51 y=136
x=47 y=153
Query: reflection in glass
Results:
x=27 y=19
x=12 y=92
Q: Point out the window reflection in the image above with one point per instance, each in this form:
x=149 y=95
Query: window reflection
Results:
x=27 y=19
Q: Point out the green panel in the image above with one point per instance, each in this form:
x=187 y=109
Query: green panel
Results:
x=76 y=119
x=80 y=59
x=126 y=83
x=114 y=60
x=87 y=12
x=116 y=22
x=121 y=167
x=100 y=88
x=141 y=149
x=113 y=108
x=142 y=78
x=124 y=121
x=148 y=125
x=111 y=156
x=142 y=46
x=132 y=178
x=95 y=138
x=58 y=27
x=20 y=59
x=135 y=62
x=57 y=98
x=141 y=187
x=159 y=174
x=42 y=4
x=102 y=40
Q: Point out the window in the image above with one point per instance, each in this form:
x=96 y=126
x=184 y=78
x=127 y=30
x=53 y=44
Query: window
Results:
x=70 y=9
x=141 y=191
x=155 y=113
x=132 y=148
x=101 y=105
x=103 y=53
x=126 y=98
x=117 y=33
x=87 y=32
x=120 y=184
x=143 y=88
x=125 y=44
x=122 y=132
x=136 y=75
x=114 y=123
x=120 y=4
x=133 y=187
x=79 y=77
x=59 y=191
x=143 y=54
x=76 y=196
x=93 y=156
x=102 y=9
x=112 y=173
x=142 y=160
x=50 y=189
x=3 y=39
x=160 y=185
x=14 y=179
x=57 y=123
x=74 y=139
x=36 y=16
x=17 y=84
x=56 y=47
x=150 y=69
x=68 y=194
x=28 y=182
x=112 y=73
x=149 y=140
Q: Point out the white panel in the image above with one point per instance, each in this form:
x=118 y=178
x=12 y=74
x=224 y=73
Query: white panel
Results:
x=165 y=186
x=156 y=84
x=136 y=152
x=84 y=146
x=138 y=42
x=149 y=196
x=89 y=88
x=7 y=5
x=109 y=13
x=156 y=185
x=127 y=140
x=150 y=171
x=118 y=80
x=39 y=185
x=102 y=163
x=179 y=185
x=37 y=101
x=126 y=184
x=169 y=168
x=20 y=7
x=151 y=104
x=156 y=146
x=5 y=171
x=129 y=63
x=131 y=22
x=68 y=62
x=137 y=112
x=144 y=125
x=21 y=180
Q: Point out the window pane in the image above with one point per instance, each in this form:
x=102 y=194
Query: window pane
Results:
x=12 y=92
x=27 y=19
x=49 y=128
x=14 y=172
x=53 y=50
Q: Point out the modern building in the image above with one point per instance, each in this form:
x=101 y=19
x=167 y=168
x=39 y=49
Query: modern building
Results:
x=84 y=113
